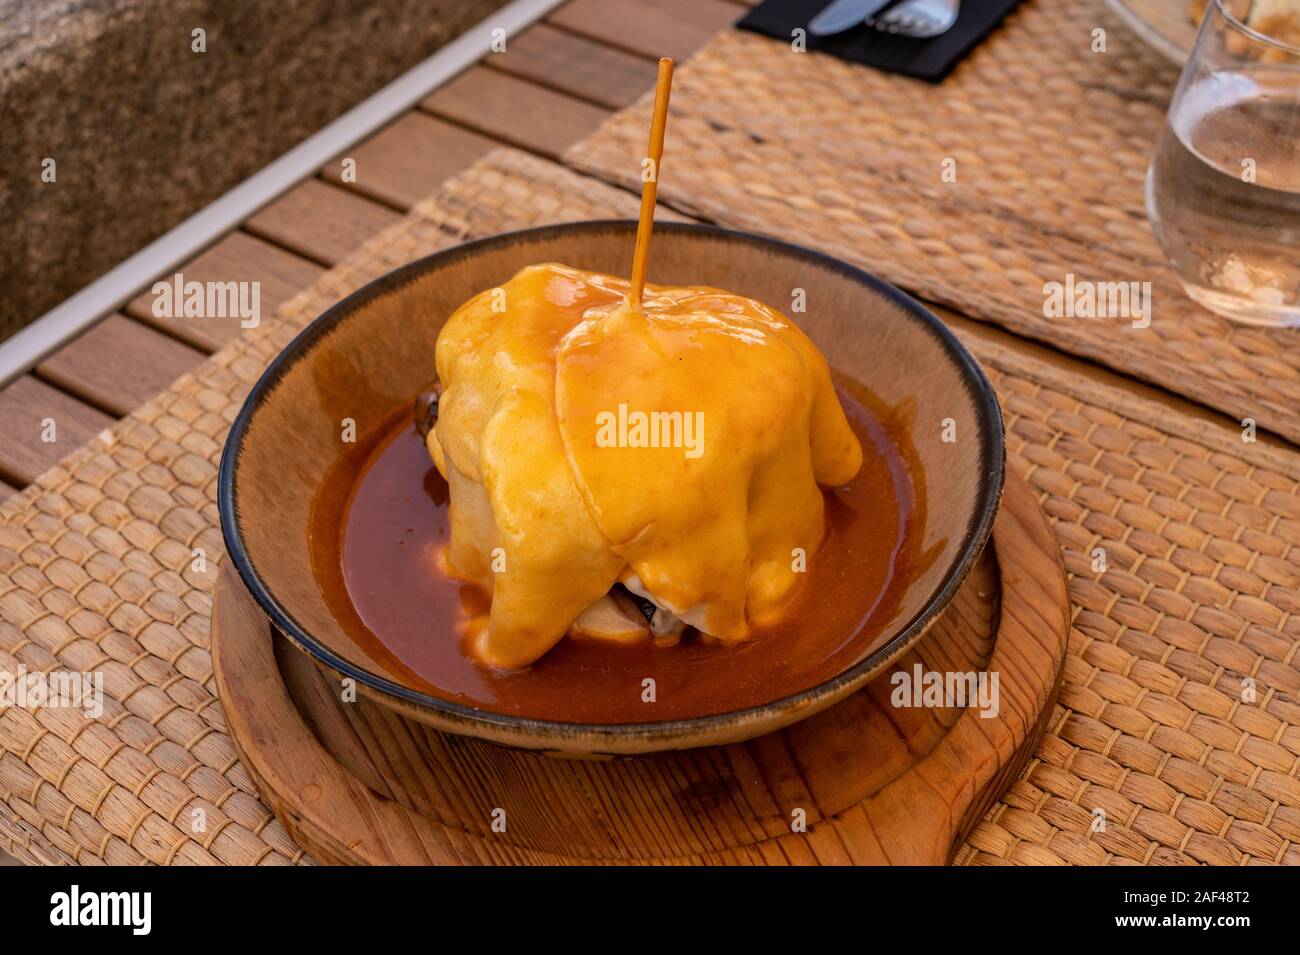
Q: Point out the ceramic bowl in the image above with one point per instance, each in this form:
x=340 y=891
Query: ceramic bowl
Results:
x=374 y=350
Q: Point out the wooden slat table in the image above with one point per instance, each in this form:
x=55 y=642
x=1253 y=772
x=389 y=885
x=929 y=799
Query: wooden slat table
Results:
x=675 y=28
x=516 y=111
x=320 y=221
x=39 y=424
x=575 y=65
x=242 y=257
x=118 y=365
x=405 y=161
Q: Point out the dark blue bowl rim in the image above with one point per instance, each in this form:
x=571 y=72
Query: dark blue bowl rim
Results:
x=978 y=530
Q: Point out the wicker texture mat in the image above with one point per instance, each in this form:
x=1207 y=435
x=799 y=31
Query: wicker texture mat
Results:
x=1201 y=534
x=1051 y=143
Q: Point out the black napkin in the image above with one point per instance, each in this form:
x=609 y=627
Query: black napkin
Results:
x=930 y=59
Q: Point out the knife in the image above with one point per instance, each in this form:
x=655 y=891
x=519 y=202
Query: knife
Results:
x=844 y=15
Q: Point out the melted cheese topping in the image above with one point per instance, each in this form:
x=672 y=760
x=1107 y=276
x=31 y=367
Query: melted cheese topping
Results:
x=678 y=447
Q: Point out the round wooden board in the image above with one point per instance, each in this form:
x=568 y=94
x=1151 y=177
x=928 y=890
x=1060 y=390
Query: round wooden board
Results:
x=864 y=782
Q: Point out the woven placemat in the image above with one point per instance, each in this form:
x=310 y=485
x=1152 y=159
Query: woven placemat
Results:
x=1051 y=143
x=1201 y=535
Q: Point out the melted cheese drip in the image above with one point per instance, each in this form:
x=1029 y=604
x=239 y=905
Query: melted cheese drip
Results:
x=547 y=486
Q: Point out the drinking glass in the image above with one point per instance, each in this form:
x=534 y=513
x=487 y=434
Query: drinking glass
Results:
x=1223 y=191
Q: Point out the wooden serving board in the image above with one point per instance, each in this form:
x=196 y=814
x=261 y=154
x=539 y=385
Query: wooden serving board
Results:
x=865 y=781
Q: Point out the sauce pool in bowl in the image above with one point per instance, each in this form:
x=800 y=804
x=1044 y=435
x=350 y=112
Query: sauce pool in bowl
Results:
x=381 y=520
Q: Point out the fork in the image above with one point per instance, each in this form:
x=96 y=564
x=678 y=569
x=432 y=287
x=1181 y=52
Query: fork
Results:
x=918 y=18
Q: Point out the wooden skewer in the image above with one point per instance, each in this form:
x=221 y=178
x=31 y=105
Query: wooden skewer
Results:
x=650 y=184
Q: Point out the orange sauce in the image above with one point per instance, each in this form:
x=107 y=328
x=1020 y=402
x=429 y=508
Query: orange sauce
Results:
x=382 y=518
